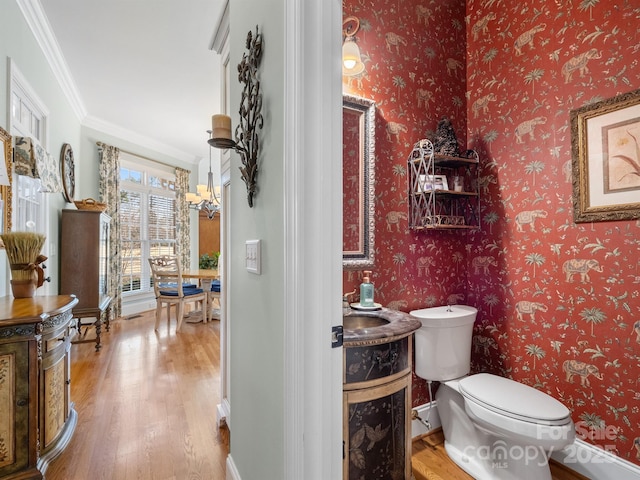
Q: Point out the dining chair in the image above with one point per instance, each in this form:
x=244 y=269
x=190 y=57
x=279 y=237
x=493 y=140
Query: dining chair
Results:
x=213 y=295
x=170 y=290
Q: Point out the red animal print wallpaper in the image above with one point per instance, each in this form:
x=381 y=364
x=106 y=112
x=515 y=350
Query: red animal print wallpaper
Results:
x=559 y=302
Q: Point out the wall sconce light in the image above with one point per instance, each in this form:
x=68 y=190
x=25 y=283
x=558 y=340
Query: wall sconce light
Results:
x=247 y=143
x=351 y=59
x=206 y=196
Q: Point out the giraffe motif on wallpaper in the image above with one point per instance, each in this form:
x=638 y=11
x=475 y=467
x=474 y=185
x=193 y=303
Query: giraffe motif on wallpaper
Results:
x=482 y=25
x=529 y=218
x=527 y=38
x=529 y=308
x=394 y=40
x=393 y=218
x=423 y=14
x=581 y=266
x=582 y=369
x=424 y=97
x=393 y=130
x=579 y=62
x=483 y=104
x=528 y=126
x=453 y=65
x=358 y=78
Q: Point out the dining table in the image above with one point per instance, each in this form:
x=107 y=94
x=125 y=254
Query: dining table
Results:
x=205 y=276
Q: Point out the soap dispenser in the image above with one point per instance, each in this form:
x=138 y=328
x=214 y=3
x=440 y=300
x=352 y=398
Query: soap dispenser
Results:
x=366 y=291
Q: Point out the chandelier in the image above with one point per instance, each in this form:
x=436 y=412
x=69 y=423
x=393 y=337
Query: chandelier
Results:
x=206 y=196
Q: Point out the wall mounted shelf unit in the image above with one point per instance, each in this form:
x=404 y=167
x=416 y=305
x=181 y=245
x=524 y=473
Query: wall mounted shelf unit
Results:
x=435 y=203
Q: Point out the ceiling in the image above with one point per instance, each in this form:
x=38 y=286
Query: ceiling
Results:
x=143 y=69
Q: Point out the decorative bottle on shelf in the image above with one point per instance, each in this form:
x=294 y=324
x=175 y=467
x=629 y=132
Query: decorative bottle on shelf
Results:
x=366 y=291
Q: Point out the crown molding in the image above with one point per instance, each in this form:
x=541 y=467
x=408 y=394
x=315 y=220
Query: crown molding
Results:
x=139 y=140
x=39 y=24
x=221 y=32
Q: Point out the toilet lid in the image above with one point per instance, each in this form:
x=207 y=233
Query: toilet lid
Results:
x=513 y=399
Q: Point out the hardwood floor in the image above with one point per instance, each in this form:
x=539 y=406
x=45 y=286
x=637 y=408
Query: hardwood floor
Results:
x=146 y=405
x=430 y=462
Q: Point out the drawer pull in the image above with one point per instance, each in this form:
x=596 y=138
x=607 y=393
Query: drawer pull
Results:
x=22 y=402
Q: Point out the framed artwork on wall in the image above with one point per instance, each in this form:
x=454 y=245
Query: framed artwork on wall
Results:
x=605 y=144
x=5 y=181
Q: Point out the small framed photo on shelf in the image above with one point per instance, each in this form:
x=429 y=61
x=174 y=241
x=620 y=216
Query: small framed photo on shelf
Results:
x=427 y=183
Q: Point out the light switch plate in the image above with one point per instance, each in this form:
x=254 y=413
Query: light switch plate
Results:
x=253 y=256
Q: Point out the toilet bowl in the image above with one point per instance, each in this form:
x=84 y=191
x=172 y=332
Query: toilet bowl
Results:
x=494 y=428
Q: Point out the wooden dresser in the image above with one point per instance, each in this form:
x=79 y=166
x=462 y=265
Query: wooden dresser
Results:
x=38 y=418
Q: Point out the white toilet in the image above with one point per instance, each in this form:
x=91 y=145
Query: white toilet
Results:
x=494 y=428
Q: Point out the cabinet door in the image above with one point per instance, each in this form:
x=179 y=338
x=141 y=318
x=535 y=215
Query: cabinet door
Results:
x=18 y=415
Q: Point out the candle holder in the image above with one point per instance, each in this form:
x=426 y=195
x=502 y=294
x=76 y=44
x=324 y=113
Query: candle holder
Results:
x=247 y=142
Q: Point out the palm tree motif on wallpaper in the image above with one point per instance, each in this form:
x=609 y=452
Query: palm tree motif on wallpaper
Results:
x=491 y=300
x=532 y=77
x=534 y=167
x=399 y=83
x=588 y=5
x=399 y=259
x=536 y=352
x=535 y=259
x=594 y=316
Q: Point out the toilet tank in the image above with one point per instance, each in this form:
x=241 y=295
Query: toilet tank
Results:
x=443 y=342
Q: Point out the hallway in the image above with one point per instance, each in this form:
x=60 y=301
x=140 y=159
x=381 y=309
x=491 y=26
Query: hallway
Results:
x=146 y=405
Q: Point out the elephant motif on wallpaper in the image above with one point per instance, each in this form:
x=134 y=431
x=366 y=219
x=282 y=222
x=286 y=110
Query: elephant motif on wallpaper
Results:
x=529 y=308
x=484 y=344
x=424 y=96
x=582 y=369
x=393 y=130
x=455 y=298
x=453 y=65
x=579 y=62
x=636 y=329
x=529 y=218
x=397 y=305
x=483 y=263
x=582 y=267
x=528 y=127
x=393 y=218
x=527 y=38
x=392 y=39
x=423 y=264
x=482 y=25
x=423 y=14
x=483 y=104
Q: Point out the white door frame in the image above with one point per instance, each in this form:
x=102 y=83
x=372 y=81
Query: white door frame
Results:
x=313 y=239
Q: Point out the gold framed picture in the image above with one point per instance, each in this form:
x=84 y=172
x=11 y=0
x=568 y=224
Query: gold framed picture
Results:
x=605 y=145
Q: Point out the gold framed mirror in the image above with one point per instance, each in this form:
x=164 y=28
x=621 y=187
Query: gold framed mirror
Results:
x=5 y=181
x=358 y=182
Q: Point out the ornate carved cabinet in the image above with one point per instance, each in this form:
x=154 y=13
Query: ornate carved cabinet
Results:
x=37 y=418
x=84 y=256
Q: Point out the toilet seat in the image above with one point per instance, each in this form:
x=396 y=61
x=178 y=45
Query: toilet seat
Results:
x=514 y=400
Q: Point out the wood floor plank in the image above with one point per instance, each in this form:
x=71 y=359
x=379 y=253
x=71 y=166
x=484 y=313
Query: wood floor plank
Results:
x=430 y=462
x=146 y=405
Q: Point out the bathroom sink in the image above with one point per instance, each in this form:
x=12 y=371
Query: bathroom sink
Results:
x=354 y=322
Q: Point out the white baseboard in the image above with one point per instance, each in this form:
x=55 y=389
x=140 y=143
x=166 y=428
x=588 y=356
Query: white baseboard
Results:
x=223 y=414
x=596 y=463
x=425 y=412
x=232 y=471
x=581 y=457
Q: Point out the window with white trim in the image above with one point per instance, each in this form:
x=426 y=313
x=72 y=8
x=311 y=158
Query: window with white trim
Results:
x=147 y=219
x=28 y=119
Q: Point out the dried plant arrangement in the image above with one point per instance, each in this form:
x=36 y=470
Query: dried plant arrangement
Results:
x=23 y=251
